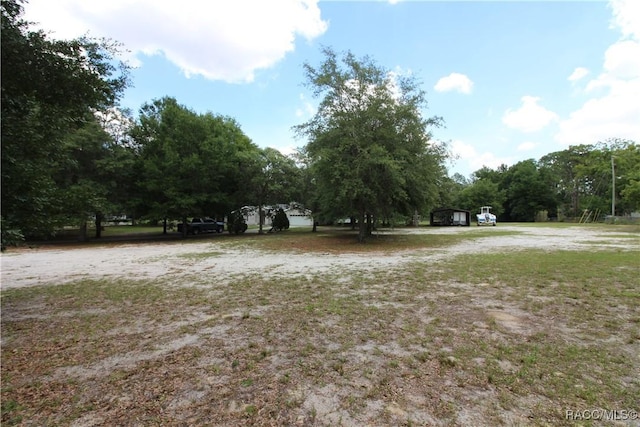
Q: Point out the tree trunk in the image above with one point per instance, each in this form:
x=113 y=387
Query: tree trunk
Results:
x=98 y=224
x=164 y=226
x=82 y=234
x=260 y=219
x=574 y=199
x=315 y=226
x=184 y=227
x=362 y=228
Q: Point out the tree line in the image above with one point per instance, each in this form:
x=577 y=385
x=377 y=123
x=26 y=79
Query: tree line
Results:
x=594 y=178
x=69 y=153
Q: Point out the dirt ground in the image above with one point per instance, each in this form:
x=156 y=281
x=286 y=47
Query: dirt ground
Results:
x=148 y=260
x=341 y=341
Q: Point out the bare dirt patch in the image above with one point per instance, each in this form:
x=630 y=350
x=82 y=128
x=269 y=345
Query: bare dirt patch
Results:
x=150 y=261
x=213 y=333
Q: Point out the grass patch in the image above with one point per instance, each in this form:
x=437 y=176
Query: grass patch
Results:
x=121 y=230
x=197 y=256
x=623 y=228
x=523 y=336
x=546 y=268
x=342 y=240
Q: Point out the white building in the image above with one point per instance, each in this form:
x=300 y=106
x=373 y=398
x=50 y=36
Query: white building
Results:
x=298 y=216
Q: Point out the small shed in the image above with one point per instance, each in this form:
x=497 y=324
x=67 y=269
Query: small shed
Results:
x=450 y=216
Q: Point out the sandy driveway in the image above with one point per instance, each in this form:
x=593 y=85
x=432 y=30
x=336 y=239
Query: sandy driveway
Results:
x=337 y=349
x=54 y=266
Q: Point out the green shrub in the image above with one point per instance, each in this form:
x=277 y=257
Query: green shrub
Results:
x=236 y=223
x=280 y=221
x=10 y=236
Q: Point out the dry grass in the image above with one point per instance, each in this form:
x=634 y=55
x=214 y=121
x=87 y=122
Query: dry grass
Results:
x=508 y=339
x=340 y=240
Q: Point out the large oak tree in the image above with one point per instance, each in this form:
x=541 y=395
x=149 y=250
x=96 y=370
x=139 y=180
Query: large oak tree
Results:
x=191 y=164
x=369 y=146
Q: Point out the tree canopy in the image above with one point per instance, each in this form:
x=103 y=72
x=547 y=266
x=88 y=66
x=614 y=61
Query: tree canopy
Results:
x=50 y=89
x=564 y=183
x=191 y=163
x=69 y=154
x=369 y=146
x=275 y=179
x=583 y=175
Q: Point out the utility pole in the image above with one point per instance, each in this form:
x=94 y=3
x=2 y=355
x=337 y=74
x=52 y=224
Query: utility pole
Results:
x=613 y=190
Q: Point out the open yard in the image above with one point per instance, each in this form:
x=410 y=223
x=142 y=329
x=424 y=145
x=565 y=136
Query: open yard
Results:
x=509 y=325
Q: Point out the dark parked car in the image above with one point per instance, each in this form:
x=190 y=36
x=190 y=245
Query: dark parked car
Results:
x=202 y=225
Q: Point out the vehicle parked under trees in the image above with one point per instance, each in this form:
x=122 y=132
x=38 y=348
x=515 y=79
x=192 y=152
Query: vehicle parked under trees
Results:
x=202 y=225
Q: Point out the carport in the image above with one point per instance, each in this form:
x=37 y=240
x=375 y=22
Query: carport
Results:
x=450 y=216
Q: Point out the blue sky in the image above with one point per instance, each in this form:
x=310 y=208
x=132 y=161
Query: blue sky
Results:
x=512 y=80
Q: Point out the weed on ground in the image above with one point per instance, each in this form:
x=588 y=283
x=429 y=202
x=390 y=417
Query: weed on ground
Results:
x=484 y=339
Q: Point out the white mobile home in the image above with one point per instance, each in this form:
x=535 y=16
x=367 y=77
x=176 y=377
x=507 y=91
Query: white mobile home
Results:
x=298 y=216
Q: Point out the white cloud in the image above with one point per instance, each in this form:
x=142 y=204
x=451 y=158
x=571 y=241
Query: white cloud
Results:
x=615 y=115
x=462 y=150
x=622 y=59
x=527 y=146
x=307 y=109
x=454 y=82
x=530 y=117
x=578 y=73
x=222 y=40
x=467 y=154
x=626 y=17
x=614 y=111
x=621 y=64
x=287 y=150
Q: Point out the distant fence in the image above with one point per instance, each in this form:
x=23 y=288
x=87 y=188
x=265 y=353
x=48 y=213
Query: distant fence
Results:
x=605 y=219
